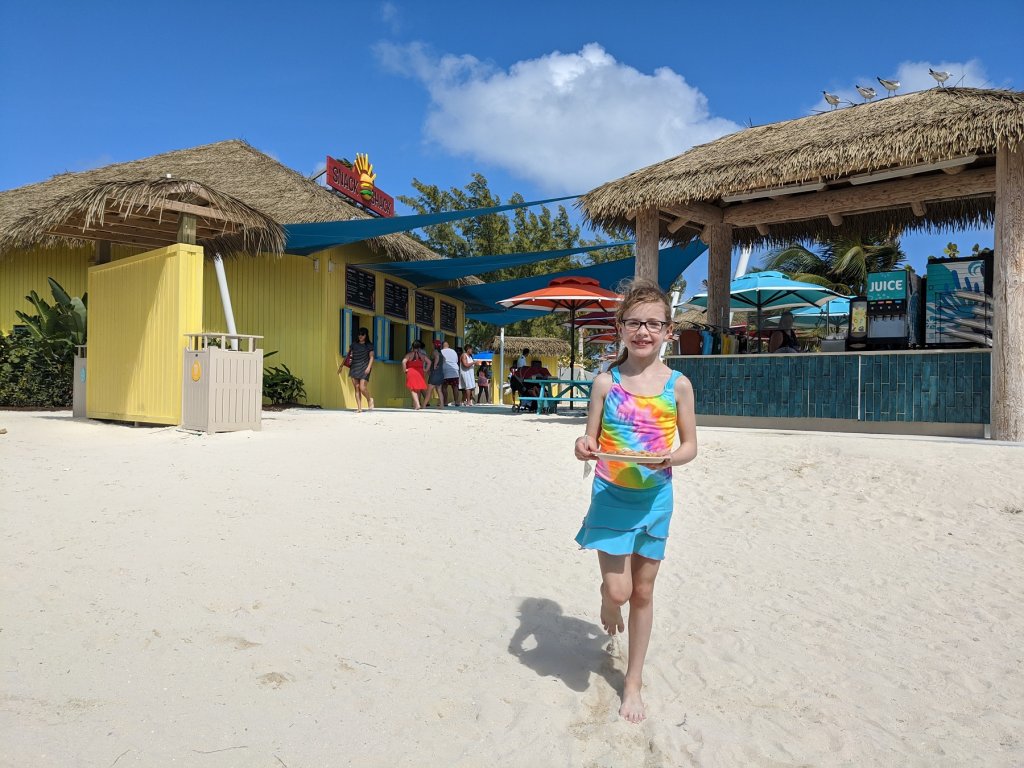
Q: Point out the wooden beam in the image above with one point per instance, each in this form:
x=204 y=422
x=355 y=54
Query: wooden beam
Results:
x=870 y=197
x=1007 y=393
x=836 y=219
x=703 y=213
x=919 y=208
x=102 y=252
x=187 y=229
x=647 y=237
x=678 y=224
x=719 y=269
x=113 y=237
x=201 y=211
x=762 y=229
x=954 y=170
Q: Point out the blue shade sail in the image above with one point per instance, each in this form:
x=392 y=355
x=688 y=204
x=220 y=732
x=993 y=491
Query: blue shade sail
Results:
x=482 y=300
x=303 y=239
x=421 y=273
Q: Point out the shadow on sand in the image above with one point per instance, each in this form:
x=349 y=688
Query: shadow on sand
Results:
x=564 y=647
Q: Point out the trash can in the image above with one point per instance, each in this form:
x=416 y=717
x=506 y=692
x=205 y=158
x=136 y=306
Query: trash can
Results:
x=222 y=388
x=78 y=385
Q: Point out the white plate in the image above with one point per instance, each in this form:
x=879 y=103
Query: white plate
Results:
x=630 y=458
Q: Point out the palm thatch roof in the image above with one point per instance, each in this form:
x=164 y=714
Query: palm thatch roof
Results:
x=542 y=346
x=231 y=167
x=147 y=213
x=916 y=129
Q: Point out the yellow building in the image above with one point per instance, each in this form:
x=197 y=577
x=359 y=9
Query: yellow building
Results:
x=307 y=308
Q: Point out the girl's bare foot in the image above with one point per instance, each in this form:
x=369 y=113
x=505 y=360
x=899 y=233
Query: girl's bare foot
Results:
x=611 y=616
x=371 y=403
x=632 y=708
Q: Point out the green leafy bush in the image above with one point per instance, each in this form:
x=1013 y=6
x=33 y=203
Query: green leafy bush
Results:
x=32 y=375
x=281 y=386
x=37 y=365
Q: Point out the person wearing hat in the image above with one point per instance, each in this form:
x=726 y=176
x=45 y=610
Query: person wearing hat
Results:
x=436 y=378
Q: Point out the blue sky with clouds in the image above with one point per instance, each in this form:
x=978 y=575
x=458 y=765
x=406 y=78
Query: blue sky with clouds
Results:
x=543 y=98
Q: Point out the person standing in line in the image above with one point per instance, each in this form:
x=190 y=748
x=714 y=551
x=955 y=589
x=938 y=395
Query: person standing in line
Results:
x=450 y=367
x=362 y=363
x=639 y=407
x=435 y=382
x=415 y=364
x=467 y=376
x=483 y=384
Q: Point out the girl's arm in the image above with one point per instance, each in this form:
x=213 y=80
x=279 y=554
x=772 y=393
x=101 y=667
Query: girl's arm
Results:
x=686 y=421
x=587 y=444
x=369 y=363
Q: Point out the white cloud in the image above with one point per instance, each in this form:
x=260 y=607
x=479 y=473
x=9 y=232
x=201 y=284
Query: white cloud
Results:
x=913 y=76
x=565 y=121
x=389 y=15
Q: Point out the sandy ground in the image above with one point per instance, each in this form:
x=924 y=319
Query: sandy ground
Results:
x=402 y=589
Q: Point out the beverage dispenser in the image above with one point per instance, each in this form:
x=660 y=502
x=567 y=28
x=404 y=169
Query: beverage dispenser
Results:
x=856 y=337
x=894 y=309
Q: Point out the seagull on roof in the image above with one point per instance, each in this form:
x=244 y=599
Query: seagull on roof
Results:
x=832 y=99
x=940 y=77
x=867 y=93
x=890 y=85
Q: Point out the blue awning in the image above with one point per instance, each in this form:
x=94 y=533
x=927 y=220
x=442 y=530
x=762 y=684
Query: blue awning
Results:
x=304 y=239
x=421 y=273
x=482 y=300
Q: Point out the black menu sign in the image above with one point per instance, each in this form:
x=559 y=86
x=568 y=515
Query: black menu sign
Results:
x=424 y=310
x=448 y=315
x=360 y=288
x=396 y=300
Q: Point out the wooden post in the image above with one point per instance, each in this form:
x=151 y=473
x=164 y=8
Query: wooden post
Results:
x=647 y=244
x=102 y=252
x=719 y=240
x=187 y=229
x=1007 y=391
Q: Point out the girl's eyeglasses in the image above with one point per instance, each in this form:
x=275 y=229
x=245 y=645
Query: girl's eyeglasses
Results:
x=654 y=326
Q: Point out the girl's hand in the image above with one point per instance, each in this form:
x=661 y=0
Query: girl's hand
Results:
x=585 y=447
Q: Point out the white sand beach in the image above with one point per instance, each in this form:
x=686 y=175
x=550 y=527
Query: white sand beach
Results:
x=402 y=589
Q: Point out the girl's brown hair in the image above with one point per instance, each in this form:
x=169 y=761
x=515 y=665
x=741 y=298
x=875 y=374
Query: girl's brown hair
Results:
x=639 y=291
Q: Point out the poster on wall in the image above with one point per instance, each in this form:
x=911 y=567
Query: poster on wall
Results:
x=360 y=288
x=396 y=300
x=958 y=309
x=425 y=310
x=449 y=316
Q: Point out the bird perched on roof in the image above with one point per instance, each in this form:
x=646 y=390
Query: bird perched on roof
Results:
x=867 y=93
x=940 y=77
x=890 y=85
x=832 y=99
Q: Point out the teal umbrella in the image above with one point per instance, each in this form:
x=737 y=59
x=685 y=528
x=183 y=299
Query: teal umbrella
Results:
x=758 y=291
x=833 y=313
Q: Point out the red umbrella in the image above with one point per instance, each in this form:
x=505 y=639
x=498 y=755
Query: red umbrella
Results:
x=594 y=321
x=567 y=294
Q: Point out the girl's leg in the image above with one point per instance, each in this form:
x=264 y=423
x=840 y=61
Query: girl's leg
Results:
x=366 y=394
x=616 y=587
x=415 y=399
x=641 y=619
x=357 y=386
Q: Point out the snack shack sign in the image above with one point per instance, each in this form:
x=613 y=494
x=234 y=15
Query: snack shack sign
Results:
x=357 y=183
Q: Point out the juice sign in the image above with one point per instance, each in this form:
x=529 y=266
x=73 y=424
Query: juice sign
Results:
x=887 y=285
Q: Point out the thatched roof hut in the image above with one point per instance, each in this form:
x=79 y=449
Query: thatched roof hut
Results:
x=232 y=168
x=148 y=214
x=547 y=347
x=821 y=152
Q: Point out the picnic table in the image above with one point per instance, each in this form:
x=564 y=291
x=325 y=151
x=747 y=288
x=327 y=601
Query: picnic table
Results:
x=555 y=391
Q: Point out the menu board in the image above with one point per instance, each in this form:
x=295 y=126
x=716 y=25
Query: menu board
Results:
x=448 y=316
x=360 y=288
x=425 y=310
x=396 y=300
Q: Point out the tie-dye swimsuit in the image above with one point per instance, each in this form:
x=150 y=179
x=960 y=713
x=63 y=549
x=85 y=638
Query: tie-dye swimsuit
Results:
x=631 y=504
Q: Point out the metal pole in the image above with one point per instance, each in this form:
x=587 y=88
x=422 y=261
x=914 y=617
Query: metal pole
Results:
x=225 y=298
x=500 y=378
x=572 y=351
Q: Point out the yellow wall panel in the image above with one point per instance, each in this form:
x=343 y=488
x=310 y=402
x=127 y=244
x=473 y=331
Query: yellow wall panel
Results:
x=25 y=271
x=140 y=309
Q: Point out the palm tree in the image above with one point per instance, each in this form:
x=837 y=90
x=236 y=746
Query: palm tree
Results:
x=841 y=263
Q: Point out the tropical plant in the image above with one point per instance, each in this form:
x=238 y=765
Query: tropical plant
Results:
x=31 y=375
x=841 y=263
x=281 y=386
x=61 y=326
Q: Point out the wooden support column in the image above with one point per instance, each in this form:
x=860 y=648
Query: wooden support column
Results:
x=187 y=229
x=647 y=244
x=1008 y=298
x=102 y=252
x=719 y=240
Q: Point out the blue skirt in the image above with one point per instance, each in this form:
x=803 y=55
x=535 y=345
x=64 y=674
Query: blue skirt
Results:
x=627 y=521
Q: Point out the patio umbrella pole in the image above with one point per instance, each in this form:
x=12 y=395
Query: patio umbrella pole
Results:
x=760 y=342
x=572 y=351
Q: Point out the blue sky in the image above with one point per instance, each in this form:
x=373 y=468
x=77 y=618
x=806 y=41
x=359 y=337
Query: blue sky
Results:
x=543 y=98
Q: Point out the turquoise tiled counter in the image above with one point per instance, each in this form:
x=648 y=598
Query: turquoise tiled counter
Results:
x=928 y=386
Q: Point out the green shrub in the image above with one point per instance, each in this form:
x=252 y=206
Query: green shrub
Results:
x=281 y=386
x=33 y=373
